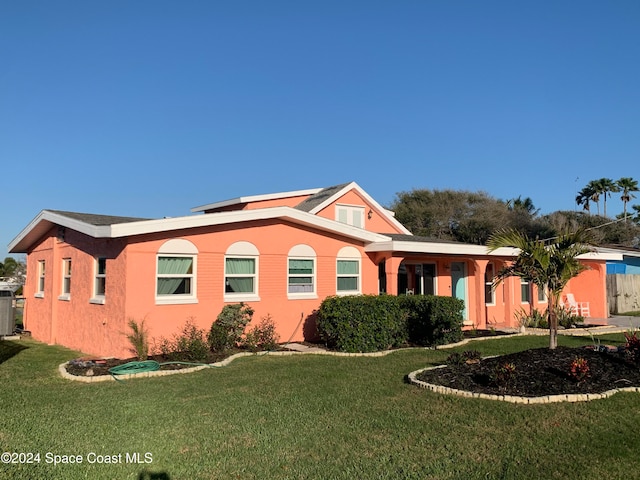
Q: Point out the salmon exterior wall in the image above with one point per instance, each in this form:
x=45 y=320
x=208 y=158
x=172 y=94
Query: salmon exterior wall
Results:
x=273 y=241
x=276 y=202
x=76 y=322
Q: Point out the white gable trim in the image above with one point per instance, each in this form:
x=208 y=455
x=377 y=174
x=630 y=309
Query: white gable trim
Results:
x=379 y=208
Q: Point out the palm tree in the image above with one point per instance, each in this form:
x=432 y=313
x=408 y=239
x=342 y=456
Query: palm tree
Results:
x=584 y=198
x=596 y=190
x=523 y=205
x=627 y=185
x=546 y=265
x=607 y=186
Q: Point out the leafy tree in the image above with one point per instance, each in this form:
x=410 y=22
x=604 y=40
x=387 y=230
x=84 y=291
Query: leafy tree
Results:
x=627 y=185
x=463 y=216
x=547 y=265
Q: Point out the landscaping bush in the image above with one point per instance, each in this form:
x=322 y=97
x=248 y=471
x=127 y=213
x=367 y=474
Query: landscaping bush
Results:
x=363 y=323
x=263 y=336
x=227 y=331
x=139 y=338
x=188 y=346
x=367 y=323
x=433 y=320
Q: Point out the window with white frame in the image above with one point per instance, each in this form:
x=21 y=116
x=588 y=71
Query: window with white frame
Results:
x=176 y=270
x=301 y=272
x=489 y=292
x=542 y=295
x=99 y=280
x=350 y=214
x=525 y=291
x=348 y=271
x=66 y=279
x=241 y=272
x=41 y=277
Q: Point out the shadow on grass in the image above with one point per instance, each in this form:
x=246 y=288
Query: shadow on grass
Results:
x=9 y=349
x=147 y=475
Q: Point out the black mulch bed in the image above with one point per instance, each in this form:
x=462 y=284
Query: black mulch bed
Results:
x=93 y=367
x=539 y=372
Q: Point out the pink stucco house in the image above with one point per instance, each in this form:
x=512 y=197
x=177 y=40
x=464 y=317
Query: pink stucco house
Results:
x=282 y=253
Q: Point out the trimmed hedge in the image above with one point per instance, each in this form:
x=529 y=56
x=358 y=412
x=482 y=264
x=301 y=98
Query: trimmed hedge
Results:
x=433 y=320
x=362 y=323
x=369 y=323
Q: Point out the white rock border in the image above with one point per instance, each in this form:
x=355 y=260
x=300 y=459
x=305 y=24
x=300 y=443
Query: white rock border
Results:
x=586 y=397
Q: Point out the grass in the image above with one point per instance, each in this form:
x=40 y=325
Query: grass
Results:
x=302 y=417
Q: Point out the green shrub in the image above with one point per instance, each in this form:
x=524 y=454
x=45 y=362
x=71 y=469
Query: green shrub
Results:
x=263 y=336
x=139 y=339
x=227 y=331
x=433 y=320
x=188 y=346
x=362 y=323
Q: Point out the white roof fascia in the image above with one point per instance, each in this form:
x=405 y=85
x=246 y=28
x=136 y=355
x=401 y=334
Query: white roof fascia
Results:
x=255 y=198
x=223 y=218
x=46 y=219
x=439 y=248
x=368 y=198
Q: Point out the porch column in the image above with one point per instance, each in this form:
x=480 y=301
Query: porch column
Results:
x=480 y=267
x=392 y=264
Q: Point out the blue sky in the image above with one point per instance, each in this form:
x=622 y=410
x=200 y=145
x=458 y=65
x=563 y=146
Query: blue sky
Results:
x=149 y=108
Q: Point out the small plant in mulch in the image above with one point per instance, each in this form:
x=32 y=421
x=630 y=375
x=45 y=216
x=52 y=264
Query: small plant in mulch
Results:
x=468 y=357
x=632 y=346
x=504 y=374
x=579 y=370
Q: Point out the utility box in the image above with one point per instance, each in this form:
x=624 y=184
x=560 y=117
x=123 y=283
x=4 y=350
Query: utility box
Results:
x=7 y=313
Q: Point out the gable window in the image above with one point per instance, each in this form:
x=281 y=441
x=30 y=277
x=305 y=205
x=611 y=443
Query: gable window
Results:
x=348 y=271
x=41 y=276
x=489 y=292
x=350 y=214
x=525 y=291
x=301 y=268
x=176 y=268
x=66 y=279
x=100 y=280
x=241 y=272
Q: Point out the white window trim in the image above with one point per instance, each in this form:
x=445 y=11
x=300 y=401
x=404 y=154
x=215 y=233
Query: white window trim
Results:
x=66 y=296
x=98 y=299
x=42 y=271
x=352 y=210
x=522 y=301
x=182 y=298
x=490 y=284
x=349 y=254
x=302 y=252
x=302 y=295
x=544 y=294
x=242 y=296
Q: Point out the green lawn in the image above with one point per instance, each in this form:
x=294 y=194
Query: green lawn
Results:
x=303 y=417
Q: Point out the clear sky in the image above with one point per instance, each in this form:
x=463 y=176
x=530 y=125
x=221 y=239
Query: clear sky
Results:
x=149 y=108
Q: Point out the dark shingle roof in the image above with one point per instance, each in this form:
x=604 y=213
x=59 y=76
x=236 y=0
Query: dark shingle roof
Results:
x=400 y=237
x=97 y=220
x=314 y=200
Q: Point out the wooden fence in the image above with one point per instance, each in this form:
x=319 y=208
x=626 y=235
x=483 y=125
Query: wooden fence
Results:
x=623 y=293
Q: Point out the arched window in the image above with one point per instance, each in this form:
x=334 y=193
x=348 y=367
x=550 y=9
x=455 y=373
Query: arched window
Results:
x=176 y=272
x=241 y=272
x=301 y=272
x=348 y=271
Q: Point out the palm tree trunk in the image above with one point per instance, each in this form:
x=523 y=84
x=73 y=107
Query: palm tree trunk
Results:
x=553 y=321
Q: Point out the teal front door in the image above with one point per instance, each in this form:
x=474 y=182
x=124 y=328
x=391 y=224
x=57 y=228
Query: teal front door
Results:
x=459 y=284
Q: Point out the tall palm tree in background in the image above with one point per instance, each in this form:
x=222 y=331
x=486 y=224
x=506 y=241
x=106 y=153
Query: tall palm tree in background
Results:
x=627 y=185
x=595 y=189
x=607 y=186
x=548 y=265
x=584 y=198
